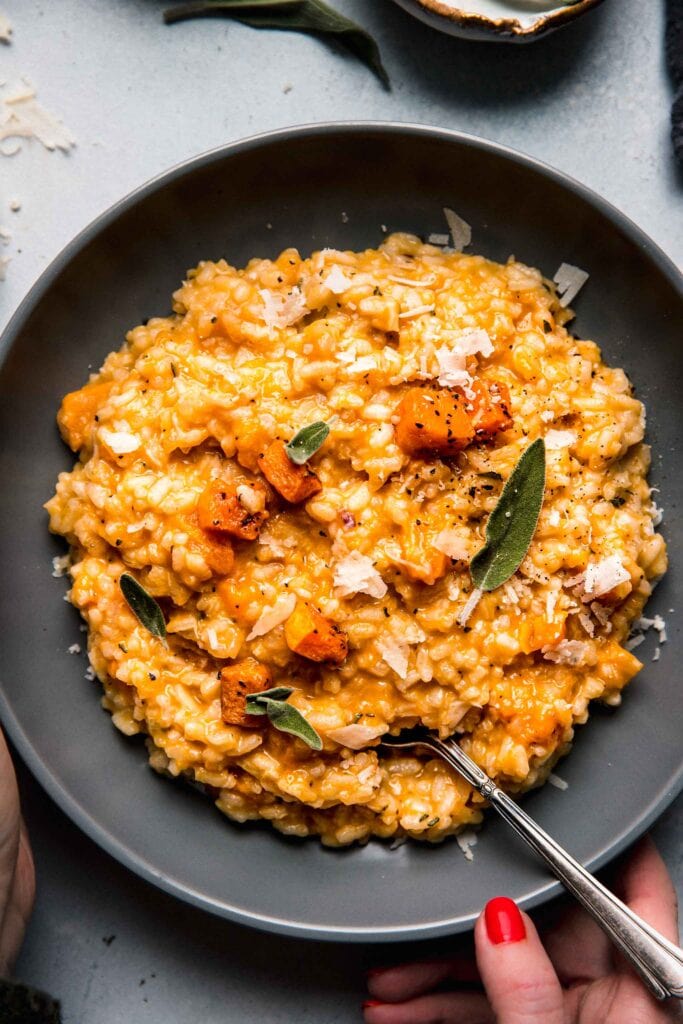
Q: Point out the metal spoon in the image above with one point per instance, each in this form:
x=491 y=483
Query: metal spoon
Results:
x=658 y=961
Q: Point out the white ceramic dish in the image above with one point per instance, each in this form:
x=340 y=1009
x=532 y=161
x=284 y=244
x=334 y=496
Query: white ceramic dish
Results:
x=513 y=21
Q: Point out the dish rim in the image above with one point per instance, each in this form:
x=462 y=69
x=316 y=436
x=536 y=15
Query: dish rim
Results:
x=69 y=803
x=498 y=29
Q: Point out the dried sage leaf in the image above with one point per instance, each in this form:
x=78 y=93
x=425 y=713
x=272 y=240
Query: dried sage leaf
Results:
x=143 y=606
x=306 y=442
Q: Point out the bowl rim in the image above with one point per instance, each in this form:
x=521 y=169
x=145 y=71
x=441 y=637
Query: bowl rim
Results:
x=502 y=28
x=67 y=802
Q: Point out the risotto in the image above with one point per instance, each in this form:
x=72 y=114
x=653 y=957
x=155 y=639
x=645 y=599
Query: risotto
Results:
x=342 y=572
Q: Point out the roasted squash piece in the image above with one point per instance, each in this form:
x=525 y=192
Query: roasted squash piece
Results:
x=76 y=417
x=215 y=548
x=433 y=420
x=313 y=636
x=238 y=680
x=294 y=483
x=489 y=410
x=236 y=509
x=536 y=632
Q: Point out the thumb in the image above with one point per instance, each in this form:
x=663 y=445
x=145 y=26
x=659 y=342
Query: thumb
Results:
x=519 y=978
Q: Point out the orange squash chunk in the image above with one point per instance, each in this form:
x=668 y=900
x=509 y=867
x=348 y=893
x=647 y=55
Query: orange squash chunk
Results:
x=76 y=417
x=236 y=509
x=294 y=483
x=311 y=635
x=215 y=548
x=489 y=410
x=238 y=680
x=536 y=632
x=433 y=421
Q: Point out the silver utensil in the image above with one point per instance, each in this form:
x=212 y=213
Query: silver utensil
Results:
x=658 y=961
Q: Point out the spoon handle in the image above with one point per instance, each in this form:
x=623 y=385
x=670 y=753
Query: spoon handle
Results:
x=658 y=961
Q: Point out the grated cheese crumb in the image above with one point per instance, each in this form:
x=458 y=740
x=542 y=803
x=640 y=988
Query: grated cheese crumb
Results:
x=466 y=840
x=567 y=652
x=603 y=576
x=461 y=232
x=469 y=606
x=655 y=656
x=4 y=263
x=120 y=442
x=356 y=574
x=453 y=361
x=90 y=673
x=395 y=654
x=74 y=649
x=634 y=641
x=5 y=29
x=282 y=310
x=558 y=782
x=14 y=205
x=60 y=565
x=337 y=281
x=438 y=239
x=22 y=117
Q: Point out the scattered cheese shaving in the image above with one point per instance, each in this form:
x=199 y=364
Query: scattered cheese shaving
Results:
x=4 y=263
x=556 y=781
x=416 y=311
x=60 y=565
x=273 y=616
x=567 y=652
x=466 y=840
x=603 y=576
x=90 y=673
x=547 y=415
x=74 y=649
x=5 y=29
x=337 y=281
x=355 y=574
x=15 y=205
x=569 y=280
x=452 y=360
x=634 y=641
x=461 y=232
x=655 y=656
x=282 y=310
x=395 y=654
x=356 y=736
x=557 y=439
x=21 y=117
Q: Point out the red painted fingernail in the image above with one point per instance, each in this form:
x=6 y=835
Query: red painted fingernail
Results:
x=504 y=923
x=372 y=1002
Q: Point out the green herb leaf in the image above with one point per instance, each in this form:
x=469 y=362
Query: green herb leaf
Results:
x=143 y=606
x=282 y=715
x=306 y=442
x=287 y=719
x=513 y=521
x=311 y=16
x=276 y=693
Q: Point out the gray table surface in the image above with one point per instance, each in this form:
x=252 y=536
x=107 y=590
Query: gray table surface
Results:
x=593 y=100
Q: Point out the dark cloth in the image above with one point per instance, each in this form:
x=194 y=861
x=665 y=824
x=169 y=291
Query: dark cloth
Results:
x=20 y=1004
x=674 y=59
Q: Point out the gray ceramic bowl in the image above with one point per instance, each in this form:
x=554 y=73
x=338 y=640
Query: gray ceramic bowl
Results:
x=329 y=185
x=506 y=21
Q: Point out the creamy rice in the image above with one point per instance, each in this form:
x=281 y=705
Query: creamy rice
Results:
x=251 y=356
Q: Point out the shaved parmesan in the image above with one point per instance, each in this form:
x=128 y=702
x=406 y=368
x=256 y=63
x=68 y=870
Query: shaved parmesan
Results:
x=356 y=736
x=273 y=616
x=60 y=565
x=466 y=840
x=365 y=364
x=337 y=281
x=569 y=280
x=603 y=576
x=438 y=239
x=21 y=117
x=282 y=310
x=415 y=311
x=74 y=649
x=557 y=439
x=453 y=360
x=355 y=574
x=5 y=29
x=453 y=544
x=395 y=654
x=460 y=230
x=120 y=442
x=567 y=652
x=556 y=781
x=634 y=641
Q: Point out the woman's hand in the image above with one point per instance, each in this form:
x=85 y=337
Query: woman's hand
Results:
x=575 y=977
x=17 y=880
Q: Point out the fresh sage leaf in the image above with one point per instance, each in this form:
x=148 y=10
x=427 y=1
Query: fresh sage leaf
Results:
x=143 y=606
x=276 y=693
x=282 y=715
x=513 y=521
x=311 y=16
x=306 y=442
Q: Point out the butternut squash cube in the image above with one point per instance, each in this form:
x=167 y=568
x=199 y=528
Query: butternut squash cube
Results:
x=294 y=483
x=489 y=410
x=313 y=636
x=76 y=417
x=237 y=681
x=433 y=420
x=235 y=509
